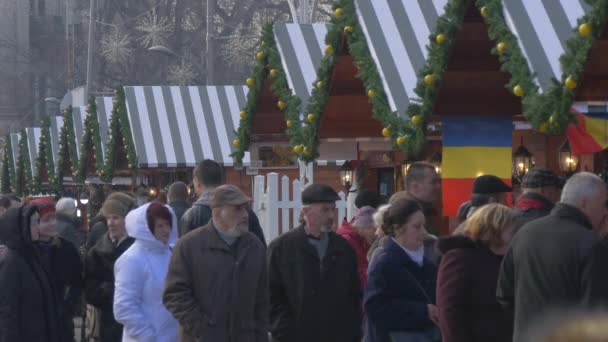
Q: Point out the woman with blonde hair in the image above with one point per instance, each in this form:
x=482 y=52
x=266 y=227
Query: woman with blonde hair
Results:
x=468 y=274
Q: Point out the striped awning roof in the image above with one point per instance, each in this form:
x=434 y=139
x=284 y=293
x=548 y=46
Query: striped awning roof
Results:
x=15 y=137
x=180 y=126
x=55 y=131
x=104 y=112
x=542 y=28
x=301 y=49
x=33 y=143
x=397 y=33
x=78 y=116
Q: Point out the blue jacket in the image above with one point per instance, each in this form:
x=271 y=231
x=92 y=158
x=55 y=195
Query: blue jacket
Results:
x=393 y=301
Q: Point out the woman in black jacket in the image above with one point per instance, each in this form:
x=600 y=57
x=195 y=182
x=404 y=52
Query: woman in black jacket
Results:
x=61 y=261
x=400 y=292
x=28 y=309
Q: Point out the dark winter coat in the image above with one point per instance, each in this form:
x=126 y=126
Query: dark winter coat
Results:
x=69 y=229
x=28 y=309
x=531 y=206
x=553 y=262
x=218 y=292
x=97 y=228
x=99 y=284
x=65 y=273
x=466 y=293
x=394 y=301
x=312 y=299
x=179 y=208
x=200 y=214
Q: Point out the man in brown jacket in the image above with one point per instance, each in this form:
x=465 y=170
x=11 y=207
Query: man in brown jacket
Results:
x=216 y=286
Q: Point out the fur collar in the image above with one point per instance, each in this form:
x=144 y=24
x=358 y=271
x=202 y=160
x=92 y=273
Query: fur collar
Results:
x=449 y=243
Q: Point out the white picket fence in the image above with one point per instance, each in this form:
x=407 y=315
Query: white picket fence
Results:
x=277 y=204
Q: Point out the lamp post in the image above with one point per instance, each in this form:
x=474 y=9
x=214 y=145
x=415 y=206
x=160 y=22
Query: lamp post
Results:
x=522 y=161
x=568 y=162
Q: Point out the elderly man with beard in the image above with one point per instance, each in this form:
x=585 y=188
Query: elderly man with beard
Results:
x=216 y=286
x=315 y=290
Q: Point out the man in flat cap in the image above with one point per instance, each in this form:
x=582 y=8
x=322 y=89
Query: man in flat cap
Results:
x=217 y=285
x=314 y=286
x=540 y=191
x=486 y=189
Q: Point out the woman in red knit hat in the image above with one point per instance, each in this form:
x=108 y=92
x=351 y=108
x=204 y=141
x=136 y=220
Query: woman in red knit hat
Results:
x=61 y=260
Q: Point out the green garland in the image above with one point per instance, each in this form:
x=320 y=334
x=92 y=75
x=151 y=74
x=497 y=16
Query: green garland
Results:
x=119 y=128
x=44 y=160
x=548 y=112
x=551 y=111
x=91 y=139
x=404 y=135
x=268 y=65
x=24 y=167
x=439 y=50
x=8 y=169
x=67 y=149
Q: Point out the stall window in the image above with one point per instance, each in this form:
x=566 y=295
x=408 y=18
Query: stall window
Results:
x=386 y=182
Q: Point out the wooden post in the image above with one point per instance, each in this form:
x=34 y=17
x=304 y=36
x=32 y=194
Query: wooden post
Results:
x=272 y=209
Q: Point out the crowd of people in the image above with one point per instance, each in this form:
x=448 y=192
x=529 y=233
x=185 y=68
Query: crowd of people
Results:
x=203 y=272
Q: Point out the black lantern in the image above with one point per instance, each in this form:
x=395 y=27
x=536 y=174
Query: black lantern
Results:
x=435 y=160
x=568 y=162
x=84 y=197
x=346 y=175
x=522 y=160
x=405 y=166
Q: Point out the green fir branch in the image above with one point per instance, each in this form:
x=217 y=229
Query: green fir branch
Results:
x=8 y=170
x=119 y=129
x=268 y=66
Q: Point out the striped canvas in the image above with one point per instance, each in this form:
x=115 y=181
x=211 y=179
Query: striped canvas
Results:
x=78 y=116
x=181 y=126
x=33 y=142
x=55 y=131
x=542 y=28
x=397 y=33
x=104 y=112
x=15 y=137
x=473 y=146
x=301 y=48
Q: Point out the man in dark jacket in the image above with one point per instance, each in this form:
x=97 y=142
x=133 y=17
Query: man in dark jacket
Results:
x=541 y=188
x=558 y=261
x=97 y=228
x=315 y=291
x=28 y=307
x=68 y=225
x=216 y=286
x=99 y=264
x=177 y=198
x=207 y=176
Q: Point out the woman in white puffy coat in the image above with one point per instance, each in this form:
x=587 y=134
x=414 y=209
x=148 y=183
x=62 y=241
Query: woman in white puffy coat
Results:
x=140 y=276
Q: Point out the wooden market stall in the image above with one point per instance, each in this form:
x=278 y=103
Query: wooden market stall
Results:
x=490 y=69
x=173 y=128
x=280 y=88
x=365 y=83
